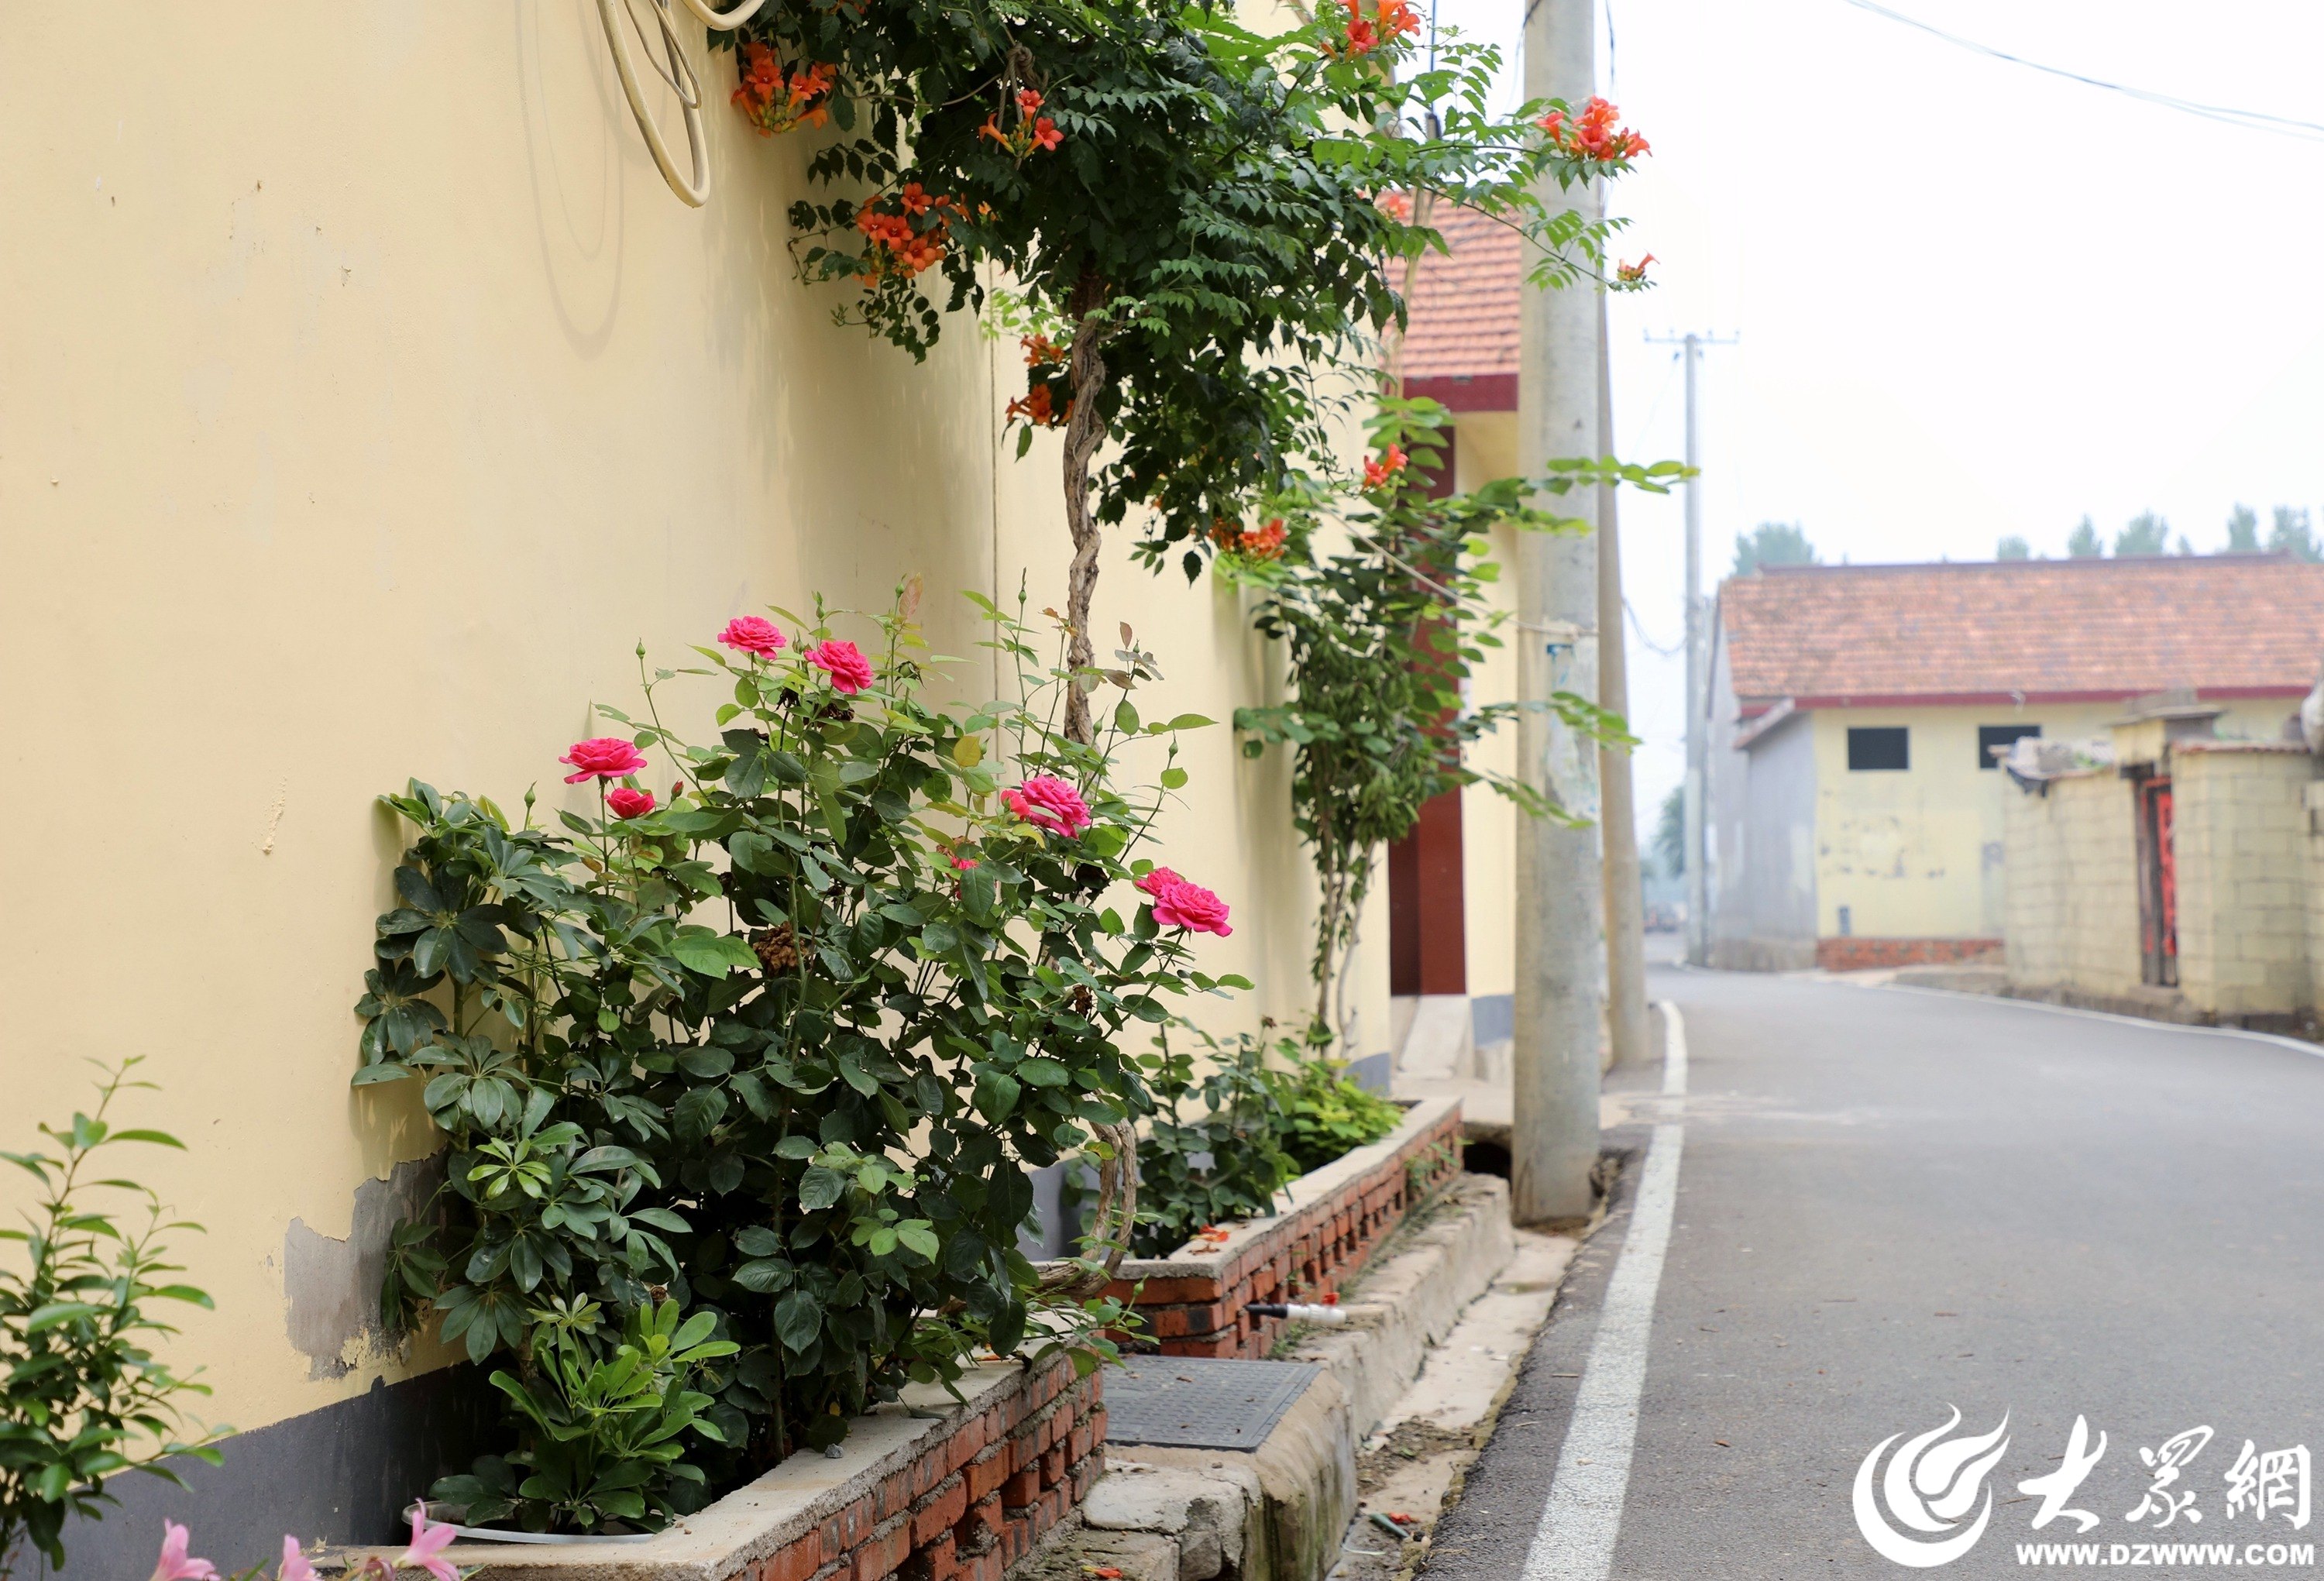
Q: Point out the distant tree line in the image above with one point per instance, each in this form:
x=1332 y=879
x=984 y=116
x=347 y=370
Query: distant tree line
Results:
x=2293 y=532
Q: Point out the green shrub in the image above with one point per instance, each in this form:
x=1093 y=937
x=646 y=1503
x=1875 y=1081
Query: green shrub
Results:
x=1258 y=1126
x=84 y=1397
x=1214 y=1153
x=1327 y=1113
x=777 y=1052
x=607 y=1434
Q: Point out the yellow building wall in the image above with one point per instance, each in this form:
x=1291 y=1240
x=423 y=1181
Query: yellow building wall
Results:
x=1487 y=450
x=365 y=398
x=1918 y=853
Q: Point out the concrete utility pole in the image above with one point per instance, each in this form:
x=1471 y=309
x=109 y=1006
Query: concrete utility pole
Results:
x=1698 y=745
x=1626 y=928
x=1560 y=930
x=1698 y=672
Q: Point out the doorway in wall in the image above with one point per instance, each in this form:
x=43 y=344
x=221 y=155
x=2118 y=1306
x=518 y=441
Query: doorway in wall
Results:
x=1427 y=911
x=1427 y=948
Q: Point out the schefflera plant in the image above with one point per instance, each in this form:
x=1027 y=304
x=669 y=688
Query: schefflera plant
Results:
x=780 y=1046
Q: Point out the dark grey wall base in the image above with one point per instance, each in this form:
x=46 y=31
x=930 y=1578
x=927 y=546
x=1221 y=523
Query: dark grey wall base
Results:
x=1493 y=1017
x=341 y=1475
x=1373 y=1072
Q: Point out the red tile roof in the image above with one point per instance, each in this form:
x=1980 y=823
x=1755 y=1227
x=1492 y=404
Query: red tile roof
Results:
x=1462 y=315
x=2056 y=631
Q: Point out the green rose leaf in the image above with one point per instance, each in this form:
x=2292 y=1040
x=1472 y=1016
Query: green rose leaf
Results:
x=819 y=1188
x=799 y=1320
x=713 y=954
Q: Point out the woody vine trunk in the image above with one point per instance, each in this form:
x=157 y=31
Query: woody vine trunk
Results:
x=1084 y=428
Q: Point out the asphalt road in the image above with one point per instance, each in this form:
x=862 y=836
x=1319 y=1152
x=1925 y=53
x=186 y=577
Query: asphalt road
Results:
x=1891 y=1203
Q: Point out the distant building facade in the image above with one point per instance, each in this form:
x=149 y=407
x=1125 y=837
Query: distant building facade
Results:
x=1856 y=813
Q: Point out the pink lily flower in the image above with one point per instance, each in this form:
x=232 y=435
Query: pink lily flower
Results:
x=428 y=1542
x=175 y=1565
x=295 y=1567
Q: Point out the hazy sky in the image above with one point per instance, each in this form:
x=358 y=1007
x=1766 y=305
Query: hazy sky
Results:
x=1973 y=300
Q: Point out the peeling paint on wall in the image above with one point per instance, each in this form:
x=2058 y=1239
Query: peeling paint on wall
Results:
x=331 y=1287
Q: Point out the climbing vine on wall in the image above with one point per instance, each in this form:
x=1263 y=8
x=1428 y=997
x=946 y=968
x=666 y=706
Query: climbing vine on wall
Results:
x=1385 y=622
x=1189 y=213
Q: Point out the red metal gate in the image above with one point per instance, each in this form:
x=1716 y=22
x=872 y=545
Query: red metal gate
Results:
x=2158 y=885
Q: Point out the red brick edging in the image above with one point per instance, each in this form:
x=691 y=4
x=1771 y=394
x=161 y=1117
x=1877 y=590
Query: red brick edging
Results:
x=973 y=1503
x=956 y=1491
x=1195 y=1301
x=1854 y=955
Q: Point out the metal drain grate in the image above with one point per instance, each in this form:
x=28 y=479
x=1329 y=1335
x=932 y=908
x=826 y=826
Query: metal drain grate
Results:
x=1200 y=1404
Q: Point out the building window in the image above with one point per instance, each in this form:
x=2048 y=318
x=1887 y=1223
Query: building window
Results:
x=1880 y=746
x=1989 y=736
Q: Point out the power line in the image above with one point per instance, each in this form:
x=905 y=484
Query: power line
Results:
x=1638 y=628
x=2250 y=120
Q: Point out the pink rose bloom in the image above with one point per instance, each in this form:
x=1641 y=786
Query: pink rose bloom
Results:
x=1157 y=881
x=1193 y=907
x=962 y=864
x=1046 y=802
x=752 y=635
x=602 y=757
x=295 y=1567
x=845 y=663
x=630 y=804
x=174 y=1565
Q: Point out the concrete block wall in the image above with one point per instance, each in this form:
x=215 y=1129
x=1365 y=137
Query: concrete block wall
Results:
x=2033 y=909
x=2241 y=834
x=2070 y=914
x=2312 y=879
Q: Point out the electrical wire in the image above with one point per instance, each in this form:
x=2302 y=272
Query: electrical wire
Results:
x=2250 y=120
x=1638 y=629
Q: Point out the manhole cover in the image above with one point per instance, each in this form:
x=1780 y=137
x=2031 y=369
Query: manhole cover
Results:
x=1200 y=1404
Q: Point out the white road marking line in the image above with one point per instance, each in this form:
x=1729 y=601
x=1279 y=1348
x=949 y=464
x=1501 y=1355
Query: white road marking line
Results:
x=1674 y=1052
x=2298 y=1045
x=1583 y=1516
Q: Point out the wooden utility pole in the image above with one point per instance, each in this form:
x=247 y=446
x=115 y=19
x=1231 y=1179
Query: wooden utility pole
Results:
x=1626 y=926
x=1560 y=900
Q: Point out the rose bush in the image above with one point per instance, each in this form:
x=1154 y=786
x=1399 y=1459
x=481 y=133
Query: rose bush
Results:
x=777 y=1051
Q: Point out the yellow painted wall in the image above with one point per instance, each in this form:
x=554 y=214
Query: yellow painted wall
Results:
x=364 y=398
x=1487 y=450
x=1918 y=853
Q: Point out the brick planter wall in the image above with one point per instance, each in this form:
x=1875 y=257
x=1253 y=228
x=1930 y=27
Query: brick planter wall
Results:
x=959 y=1495
x=1194 y=1301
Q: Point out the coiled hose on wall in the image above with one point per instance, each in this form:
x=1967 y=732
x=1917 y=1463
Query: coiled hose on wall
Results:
x=693 y=189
